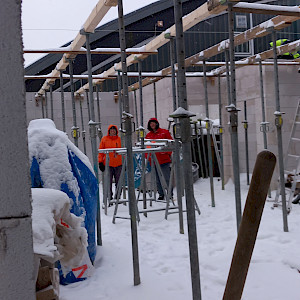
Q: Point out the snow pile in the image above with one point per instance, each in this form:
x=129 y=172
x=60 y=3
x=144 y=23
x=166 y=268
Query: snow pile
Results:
x=56 y=163
x=55 y=229
x=50 y=147
x=164 y=253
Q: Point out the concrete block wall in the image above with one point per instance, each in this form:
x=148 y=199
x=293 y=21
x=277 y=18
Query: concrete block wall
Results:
x=247 y=89
x=109 y=114
x=16 y=245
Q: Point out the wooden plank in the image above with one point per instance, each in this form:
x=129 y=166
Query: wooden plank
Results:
x=257 y=31
x=291 y=47
x=266 y=9
x=188 y=21
x=99 y=51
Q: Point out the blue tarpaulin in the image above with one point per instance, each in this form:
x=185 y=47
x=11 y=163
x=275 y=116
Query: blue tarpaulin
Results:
x=85 y=203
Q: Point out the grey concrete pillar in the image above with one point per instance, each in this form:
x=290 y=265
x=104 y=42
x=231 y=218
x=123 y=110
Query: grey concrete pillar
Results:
x=16 y=251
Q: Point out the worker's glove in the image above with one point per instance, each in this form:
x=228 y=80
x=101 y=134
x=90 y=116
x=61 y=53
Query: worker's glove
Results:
x=101 y=167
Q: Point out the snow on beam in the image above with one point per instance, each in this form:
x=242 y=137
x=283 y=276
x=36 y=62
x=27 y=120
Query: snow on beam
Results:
x=260 y=30
x=266 y=9
x=82 y=50
x=188 y=21
x=291 y=47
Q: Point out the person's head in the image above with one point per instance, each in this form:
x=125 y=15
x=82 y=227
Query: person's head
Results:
x=112 y=130
x=153 y=124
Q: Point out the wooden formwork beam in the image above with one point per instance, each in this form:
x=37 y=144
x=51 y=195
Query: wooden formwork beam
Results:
x=97 y=14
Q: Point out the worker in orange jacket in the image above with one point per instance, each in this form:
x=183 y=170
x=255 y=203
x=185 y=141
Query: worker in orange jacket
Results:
x=111 y=140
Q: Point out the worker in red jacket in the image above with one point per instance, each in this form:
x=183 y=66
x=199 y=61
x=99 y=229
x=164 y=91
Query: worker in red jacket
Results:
x=164 y=158
x=111 y=140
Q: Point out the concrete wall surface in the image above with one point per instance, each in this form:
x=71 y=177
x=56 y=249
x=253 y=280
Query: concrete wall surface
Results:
x=16 y=249
x=248 y=91
x=109 y=114
x=248 y=96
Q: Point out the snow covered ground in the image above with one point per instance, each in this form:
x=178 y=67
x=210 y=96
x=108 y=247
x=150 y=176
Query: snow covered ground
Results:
x=164 y=254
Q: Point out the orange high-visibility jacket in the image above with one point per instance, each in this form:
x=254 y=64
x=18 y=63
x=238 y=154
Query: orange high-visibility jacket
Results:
x=108 y=141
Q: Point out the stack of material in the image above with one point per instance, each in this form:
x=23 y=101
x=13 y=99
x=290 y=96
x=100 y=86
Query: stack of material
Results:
x=57 y=235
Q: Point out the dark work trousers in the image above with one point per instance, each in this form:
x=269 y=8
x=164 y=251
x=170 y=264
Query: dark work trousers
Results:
x=114 y=172
x=165 y=168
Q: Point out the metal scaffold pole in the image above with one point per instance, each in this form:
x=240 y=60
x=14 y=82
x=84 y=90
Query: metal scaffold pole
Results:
x=93 y=134
x=62 y=100
x=263 y=112
x=74 y=128
x=46 y=103
x=142 y=133
x=154 y=99
x=208 y=135
x=99 y=130
x=278 y=124
x=42 y=106
x=135 y=106
x=263 y=125
x=245 y=122
x=128 y=143
x=51 y=101
x=179 y=187
x=185 y=132
x=234 y=121
x=221 y=132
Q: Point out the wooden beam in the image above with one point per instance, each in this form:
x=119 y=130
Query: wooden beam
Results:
x=279 y=22
x=188 y=21
x=260 y=30
x=291 y=47
x=97 y=14
x=95 y=51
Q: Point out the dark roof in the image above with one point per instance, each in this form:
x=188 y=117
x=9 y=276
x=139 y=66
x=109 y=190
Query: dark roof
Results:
x=138 y=27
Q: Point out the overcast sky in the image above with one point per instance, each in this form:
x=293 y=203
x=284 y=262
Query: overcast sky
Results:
x=52 y=23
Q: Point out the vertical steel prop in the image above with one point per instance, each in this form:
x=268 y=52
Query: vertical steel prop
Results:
x=121 y=119
x=155 y=100
x=198 y=148
x=245 y=122
x=46 y=103
x=208 y=136
x=51 y=100
x=92 y=124
x=185 y=132
x=99 y=130
x=128 y=143
x=264 y=128
x=135 y=106
x=88 y=103
x=278 y=124
x=233 y=111
x=221 y=132
x=42 y=106
x=83 y=132
x=228 y=76
x=74 y=127
x=62 y=100
x=176 y=155
x=142 y=134
x=260 y=182
x=203 y=149
x=82 y=126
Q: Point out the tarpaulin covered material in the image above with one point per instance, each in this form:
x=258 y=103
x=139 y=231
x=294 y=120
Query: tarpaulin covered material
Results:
x=57 y=163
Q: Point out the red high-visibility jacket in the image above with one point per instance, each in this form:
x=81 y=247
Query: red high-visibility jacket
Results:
x=162 y=157
x=108 y=141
